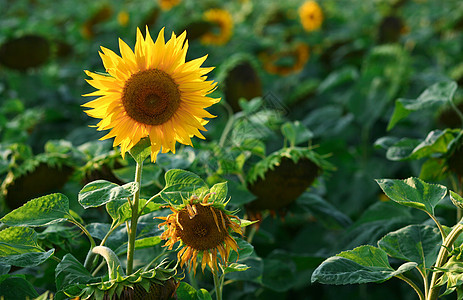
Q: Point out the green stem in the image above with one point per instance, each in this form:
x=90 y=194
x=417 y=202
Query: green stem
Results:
x=149 y=200
x=228 y=126
x=413 y=285
x=134 y=220
x=441 y=259
x=56 y=259
x=455 y=108
x=425 y=281
x=442 y=232
x=84 y=230
x=110 y=231
x=218 y=286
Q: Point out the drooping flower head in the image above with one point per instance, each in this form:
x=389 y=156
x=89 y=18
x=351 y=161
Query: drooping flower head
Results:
x=151 y=92
x=201 y=227
x=311 y=15
x=223 y=20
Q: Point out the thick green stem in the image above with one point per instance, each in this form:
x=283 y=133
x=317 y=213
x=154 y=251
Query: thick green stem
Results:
x=442 y=258
x=132 y=230
x=413 y=285
x=218 y=285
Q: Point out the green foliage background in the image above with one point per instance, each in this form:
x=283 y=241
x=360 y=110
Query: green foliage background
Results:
x=359 y=103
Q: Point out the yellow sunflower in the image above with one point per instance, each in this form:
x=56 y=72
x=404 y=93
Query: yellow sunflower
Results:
x=287 y=61
x=123 y=18
x=151 y=92
x=311 y=15
x=223 y=20
x=168 y=4
x=201 y=227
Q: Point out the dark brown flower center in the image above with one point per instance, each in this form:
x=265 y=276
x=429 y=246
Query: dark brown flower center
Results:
x=151 y=97
x=205 y=230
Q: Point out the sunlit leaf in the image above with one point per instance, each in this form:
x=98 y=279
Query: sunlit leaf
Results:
x=41 y=211
x=413 y=192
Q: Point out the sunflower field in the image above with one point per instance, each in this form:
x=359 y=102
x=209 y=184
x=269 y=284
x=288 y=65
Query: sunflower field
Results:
x=242 y=149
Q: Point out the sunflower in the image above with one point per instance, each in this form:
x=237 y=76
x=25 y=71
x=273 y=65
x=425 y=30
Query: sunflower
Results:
x=311 y=15
x=287 y=61
x=123 y=18
x=151 y=92
x=168 y=4
x=224 y=21
x=202 y=227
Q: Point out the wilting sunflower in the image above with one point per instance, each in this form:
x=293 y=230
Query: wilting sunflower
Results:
x=168 y=4
x=151 y=92
x=311 y=15
x=223 y=20
x=201 y=227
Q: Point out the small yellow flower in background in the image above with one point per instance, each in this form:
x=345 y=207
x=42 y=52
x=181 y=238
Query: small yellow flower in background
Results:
x=168 y=4
x=311 y=15
x=151 y=92
x=223 y=20
x=123 y=18
x=201 y=227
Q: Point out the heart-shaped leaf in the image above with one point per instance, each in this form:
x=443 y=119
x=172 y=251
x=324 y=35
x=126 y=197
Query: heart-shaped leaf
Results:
x=413 y=192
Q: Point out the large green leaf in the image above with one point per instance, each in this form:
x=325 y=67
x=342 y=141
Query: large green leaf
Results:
x=41 y=211
x=433 y=97
x=180 y=185
x=361 y=265
x=100 y=192
x=16 y=287
x=435 y=143
x=413 y=192
x=71 y=272
x=18 y=247
x=30 y=259
x=414 y=243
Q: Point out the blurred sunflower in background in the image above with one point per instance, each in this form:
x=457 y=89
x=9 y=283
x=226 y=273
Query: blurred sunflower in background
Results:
x=311 y=15
x=286 y=61
x=201 y=227
x=151 y=92
x=123 y=18
x=168 y=4
x=220 y=20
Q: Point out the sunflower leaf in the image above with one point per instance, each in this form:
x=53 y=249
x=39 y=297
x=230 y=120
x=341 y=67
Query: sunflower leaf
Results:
x=40 y=211
x=100 y=192
x=413 y=192
x=141 y=150
x=235 y=267
x=363 y=264
x=19 y=247
x=180 y=185
x=414 y=243
x=435 y=96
